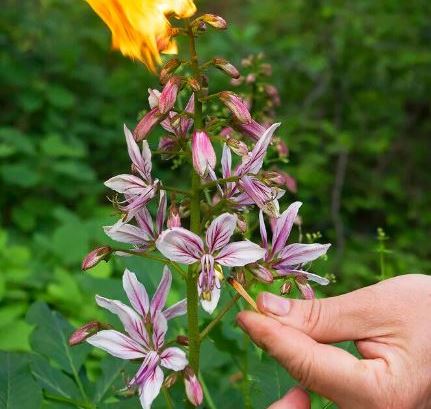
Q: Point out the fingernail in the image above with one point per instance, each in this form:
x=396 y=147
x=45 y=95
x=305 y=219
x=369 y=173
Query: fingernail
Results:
x=274 y=304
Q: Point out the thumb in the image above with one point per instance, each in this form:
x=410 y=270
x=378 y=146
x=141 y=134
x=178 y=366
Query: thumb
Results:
x=330 y=371
x=296 y=398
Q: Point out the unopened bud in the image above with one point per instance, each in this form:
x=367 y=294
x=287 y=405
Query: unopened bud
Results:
x=193 y=387
x=226 y=67
x=236 y=82
x=285 y=288
x=305 y=288
x=214 y=21
x=272 y=92
x=168 y=69
x=87 y=330
x=95 y=257
x=240 y=276
x=170 y=380
x=250 y=79
x=236 y=105
x=203 y=154
x=262 y=274
x=194 y=84
x=174 y=219
x=183 y=340
x=273 y=177
x=169 y=95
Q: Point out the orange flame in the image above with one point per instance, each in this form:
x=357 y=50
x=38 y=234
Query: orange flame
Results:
x=140 y=28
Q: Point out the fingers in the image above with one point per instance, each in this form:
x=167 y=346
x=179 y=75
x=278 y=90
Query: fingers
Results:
x=351 y=316
x=328 y=370
x=296 y=398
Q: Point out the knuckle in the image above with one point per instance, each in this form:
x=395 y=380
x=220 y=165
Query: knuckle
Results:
x=302 y=369
x=313 y=315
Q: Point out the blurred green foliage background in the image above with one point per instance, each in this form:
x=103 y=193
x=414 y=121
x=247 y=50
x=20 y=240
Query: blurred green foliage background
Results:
x=355 y=84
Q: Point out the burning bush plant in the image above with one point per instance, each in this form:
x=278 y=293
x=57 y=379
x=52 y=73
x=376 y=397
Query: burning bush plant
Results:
x=229 y=227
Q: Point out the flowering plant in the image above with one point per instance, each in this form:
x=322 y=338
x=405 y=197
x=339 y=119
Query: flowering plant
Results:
x=207 y=237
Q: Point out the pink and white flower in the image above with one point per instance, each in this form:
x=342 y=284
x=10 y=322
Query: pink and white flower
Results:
x=146 y=327
x=183 y=246
x=204 y=157
x=144 y=234
x=288 y=259
x=137 y=190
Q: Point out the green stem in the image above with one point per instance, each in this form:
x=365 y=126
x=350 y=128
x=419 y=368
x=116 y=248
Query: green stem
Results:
x=169 y=404
x=176 y=190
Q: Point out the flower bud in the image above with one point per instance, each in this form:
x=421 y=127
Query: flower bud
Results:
x=272 y=93
x=169 y=95
x=282 y=149
x=87 y=330
x=250 y=79
x=236 y=82
x=273 y=177
x=236 y=105
x=95 y=257
x=262 y=274
x=174 y=219
x=202 y=152
x=170 y=380
x=193 y=387
x=146 y=124
x=285 y=288
x=183 y=340
x=241 y=224
x=214 y=21
x=226 y=67
x=168 y=69
x=194 y=84
x=305 y=288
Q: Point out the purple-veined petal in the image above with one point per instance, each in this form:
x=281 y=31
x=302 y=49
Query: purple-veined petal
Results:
x=145 y=221
x=176 y=310
x=252 y=129
x=161 y=212
x=306 y=275
x=153 y=98
x=149 y=390
x=140 y=161
x=160 y=326
x=255 y=159
x=210 y=298
x=117 y=344
x=137 y=202
x=236 y=105
x=283 y=227
x=149 y=364
x=240 y=253
x=146 y=162
x=262 y=274
x=220 y=231
x=169 y=94
x=128 y=184
x=306 y=289
x=132 y=322
x=173 y=358
x=167 y=123
x=297 y=253
x=260 y=193
x=263 y=233
x=226 y=162
x=181 y=245
x=127 y=233
x=136 y=293
x=186 y=122
x=159 y=298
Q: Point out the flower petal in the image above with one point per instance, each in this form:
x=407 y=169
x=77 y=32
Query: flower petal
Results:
x=255 y=159
x=145 y=221
x=136 y=293
x=240 y=253
x=147 y=123
x=161 y=212
x=132 y=322
x=220 y=231
x=117 y=344
x=181 y=245
x=141 y=161
x=128 y=184
x=176 y=310
x=159 y=298
x=146 y=369
x=149 y=390
x=203 y=153
x=263 y=233
x=127 y=233
x=160 y=326
x=306 y=275
x=295 y=254
x=173 y=358
x=283 y=227
x=210 y=304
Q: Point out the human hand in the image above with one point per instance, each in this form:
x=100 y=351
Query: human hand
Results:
x=390 y=323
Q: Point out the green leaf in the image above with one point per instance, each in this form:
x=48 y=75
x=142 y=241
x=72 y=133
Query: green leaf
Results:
x=53 y=380
x=50 y=338
x=17 y=336
x=111 y=370
x=18 y=390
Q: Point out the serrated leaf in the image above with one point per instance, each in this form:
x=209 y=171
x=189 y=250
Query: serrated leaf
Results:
x=52 y=379
x=18 y=389
x=50 y=336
